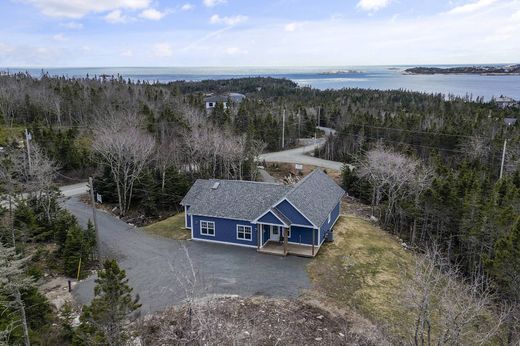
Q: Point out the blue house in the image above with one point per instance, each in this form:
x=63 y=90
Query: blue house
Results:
x=273 y=218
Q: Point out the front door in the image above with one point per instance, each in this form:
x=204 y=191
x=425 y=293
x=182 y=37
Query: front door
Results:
x=275 y=233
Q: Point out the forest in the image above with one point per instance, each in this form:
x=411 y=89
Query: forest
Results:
x=429 y=165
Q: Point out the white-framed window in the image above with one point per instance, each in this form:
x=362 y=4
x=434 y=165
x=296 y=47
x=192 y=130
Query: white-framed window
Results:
x=244 y=232
x=328 y=220
x=207 y=228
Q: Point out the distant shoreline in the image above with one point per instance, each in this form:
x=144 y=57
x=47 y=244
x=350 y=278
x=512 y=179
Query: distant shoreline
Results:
x=512 y=70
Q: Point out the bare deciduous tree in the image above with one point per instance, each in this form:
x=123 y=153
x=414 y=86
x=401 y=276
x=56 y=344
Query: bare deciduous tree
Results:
x=448 y=309
x=393 y=175
x=126 y=149
x=12 y=281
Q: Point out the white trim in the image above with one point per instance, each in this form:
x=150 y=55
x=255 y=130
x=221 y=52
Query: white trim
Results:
x=250 y=232
x=303 y=226
x=302 y=244
x=298 y=210
x=208 y=223
x=267 y=212
x=186 y=216
x=192 y=226
x=223 y=242
x=271 y=224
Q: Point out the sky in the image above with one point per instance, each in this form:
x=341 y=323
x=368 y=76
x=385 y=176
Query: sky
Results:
x=102 y=33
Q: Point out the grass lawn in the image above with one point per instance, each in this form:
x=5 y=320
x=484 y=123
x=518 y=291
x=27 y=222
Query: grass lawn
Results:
x=172 y=227
x=364 y=269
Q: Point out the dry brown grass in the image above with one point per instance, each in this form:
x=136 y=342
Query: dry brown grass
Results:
x=172 y=227
x=364 y=269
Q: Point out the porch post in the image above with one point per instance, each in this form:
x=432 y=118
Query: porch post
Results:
x=285 y=234
x=313 y=232
x=258 y=229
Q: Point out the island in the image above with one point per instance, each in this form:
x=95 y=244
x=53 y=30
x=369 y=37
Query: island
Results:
x=482 y=70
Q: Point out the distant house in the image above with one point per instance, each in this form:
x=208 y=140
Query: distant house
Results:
x=211 y=101
x=273 y=218
x=505 y=102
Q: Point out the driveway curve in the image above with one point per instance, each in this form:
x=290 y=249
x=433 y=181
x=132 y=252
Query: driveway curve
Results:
x=301 y=155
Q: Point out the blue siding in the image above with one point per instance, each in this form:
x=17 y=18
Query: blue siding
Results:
x=302 y=235
x=188 y=220
x=292 y=214
x=266 y=233
x=327 y=226
x=225 y=230
x=270 y=218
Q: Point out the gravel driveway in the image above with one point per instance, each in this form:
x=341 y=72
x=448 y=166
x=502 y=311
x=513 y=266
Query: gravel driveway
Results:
x=158 y=268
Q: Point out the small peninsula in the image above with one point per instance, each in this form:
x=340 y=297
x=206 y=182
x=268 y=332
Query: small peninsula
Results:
x=481 y=70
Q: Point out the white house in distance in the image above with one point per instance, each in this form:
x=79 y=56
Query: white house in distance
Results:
x=505 y=102
x=212 y=100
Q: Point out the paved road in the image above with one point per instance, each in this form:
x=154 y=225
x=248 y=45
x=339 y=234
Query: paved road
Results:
x=300 y=155
x=73 y=190
x=157 y=268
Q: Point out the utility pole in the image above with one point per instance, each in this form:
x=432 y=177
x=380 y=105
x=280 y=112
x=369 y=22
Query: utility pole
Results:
x=283 y=128
x=28 y=137
x=503 y=159
x=93 y=201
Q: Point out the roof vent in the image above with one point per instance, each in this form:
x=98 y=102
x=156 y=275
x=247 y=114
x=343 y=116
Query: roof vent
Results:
x=215 y=185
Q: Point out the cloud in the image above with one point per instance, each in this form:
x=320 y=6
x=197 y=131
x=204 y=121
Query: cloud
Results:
x=127 y=53
x=187 y=7
x=216 y=19
x=116 y=16
x=80 y=8
x=60 y=38
x=152 y=14
x=162 y=50
x=72 y=25
x=212 y=3
x=471 y=7
x=292 y=26
x=235 y=51
x=373 y=5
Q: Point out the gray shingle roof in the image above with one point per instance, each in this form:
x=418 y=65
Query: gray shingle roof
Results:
x=315 y=196
x=236 y=199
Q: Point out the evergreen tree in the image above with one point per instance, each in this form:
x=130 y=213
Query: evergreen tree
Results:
x=102 y=322
x=78 y=246
x=505 y=267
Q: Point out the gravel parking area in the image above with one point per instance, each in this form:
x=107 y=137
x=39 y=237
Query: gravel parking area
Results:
x=159 y=269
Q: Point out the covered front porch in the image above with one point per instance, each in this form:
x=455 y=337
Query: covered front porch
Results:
x=282 y=249
x=286 y=240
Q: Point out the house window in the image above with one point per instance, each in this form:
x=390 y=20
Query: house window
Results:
x=207 y=228
x=328 y=220
x=244 y=232
x=210 y=104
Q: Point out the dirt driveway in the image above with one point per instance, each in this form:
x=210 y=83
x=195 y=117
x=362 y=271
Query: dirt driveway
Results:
x=159 y=270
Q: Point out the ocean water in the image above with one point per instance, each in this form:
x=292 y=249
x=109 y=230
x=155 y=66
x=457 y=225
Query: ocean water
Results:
x=335 y=77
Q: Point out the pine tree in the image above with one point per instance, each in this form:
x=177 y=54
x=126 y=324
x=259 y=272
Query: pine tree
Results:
x=74 y=250
x=505 y=267
x=103 y=321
